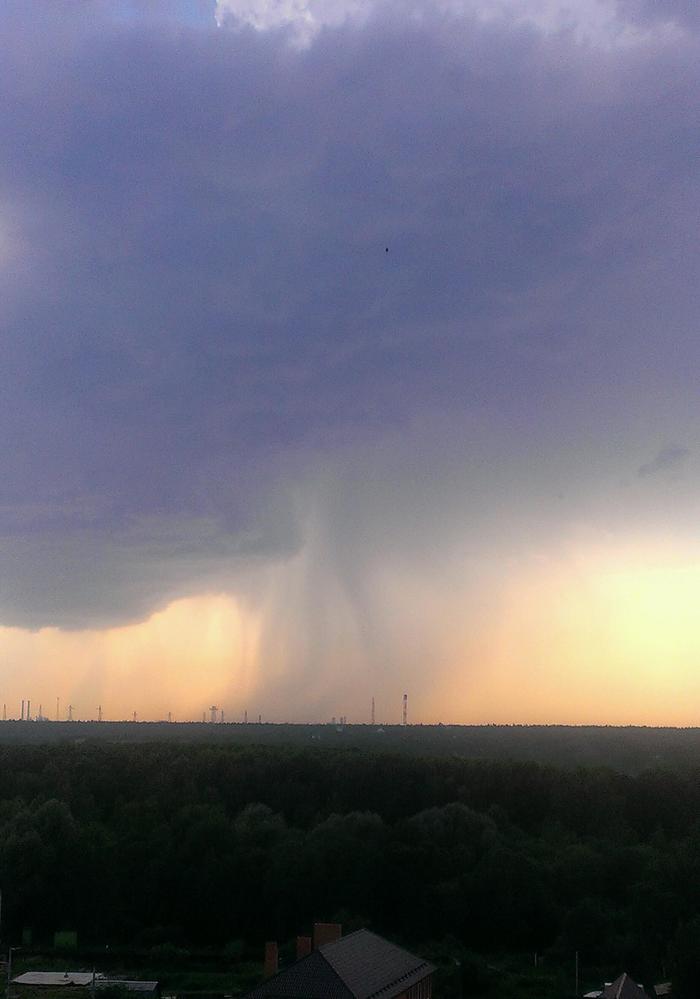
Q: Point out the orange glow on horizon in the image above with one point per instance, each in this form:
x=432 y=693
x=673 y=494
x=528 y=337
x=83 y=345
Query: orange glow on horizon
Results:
x=593 y=636
x=195 y=652
x=594 y=639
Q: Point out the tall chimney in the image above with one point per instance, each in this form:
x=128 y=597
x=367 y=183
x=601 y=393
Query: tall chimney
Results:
x=22 y=715
x=303 y=947
x=271 y=958
x=326 y=933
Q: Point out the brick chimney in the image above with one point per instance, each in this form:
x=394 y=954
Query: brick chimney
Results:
x=303 y=947
x=271 y=958
x=326 y=933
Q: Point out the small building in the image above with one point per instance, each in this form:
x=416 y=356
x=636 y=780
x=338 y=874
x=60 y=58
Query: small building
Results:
x=56 y=979
x=361 y=965
x=72 y=984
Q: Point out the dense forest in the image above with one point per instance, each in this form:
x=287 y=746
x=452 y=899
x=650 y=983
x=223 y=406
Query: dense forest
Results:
x=186 y=846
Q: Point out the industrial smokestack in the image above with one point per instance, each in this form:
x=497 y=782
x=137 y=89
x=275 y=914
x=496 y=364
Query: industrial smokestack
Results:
x=22 y=715
x=404 y=717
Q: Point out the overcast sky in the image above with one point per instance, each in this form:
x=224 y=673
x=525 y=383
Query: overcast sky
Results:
x=351 y=347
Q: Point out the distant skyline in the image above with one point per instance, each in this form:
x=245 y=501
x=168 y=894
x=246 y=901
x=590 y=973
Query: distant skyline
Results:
x=350 y=347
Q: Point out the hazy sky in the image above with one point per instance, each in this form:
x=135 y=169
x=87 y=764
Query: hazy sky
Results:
x=251 y=458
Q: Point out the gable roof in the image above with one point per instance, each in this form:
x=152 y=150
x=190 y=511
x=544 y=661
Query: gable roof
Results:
x=310 y=978
x=358 y=966
x=623 y=987
x=371 y=966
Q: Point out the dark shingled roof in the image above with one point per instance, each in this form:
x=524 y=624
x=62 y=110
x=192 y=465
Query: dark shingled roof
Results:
x=371 y=966
x=624 y=987
x=358 y=966
x=310 y=978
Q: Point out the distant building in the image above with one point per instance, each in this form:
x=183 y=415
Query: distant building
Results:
x=42 y=983
x=56 y=979
x=361 y=965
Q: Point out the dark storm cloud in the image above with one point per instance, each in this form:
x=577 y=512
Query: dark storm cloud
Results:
x=198 y=306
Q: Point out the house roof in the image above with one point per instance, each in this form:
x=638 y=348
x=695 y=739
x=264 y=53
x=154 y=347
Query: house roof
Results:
x=370 y=966
x=358 y=966
x=310 y=978
x=55 y=978
x=623 y=987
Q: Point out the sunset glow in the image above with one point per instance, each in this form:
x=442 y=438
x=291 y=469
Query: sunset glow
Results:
x=582 y=639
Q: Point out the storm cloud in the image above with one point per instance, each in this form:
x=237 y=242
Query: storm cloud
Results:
x=361 y=302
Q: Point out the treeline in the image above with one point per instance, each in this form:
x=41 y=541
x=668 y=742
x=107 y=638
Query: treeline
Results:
x=628 y=750
x=207 y=845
